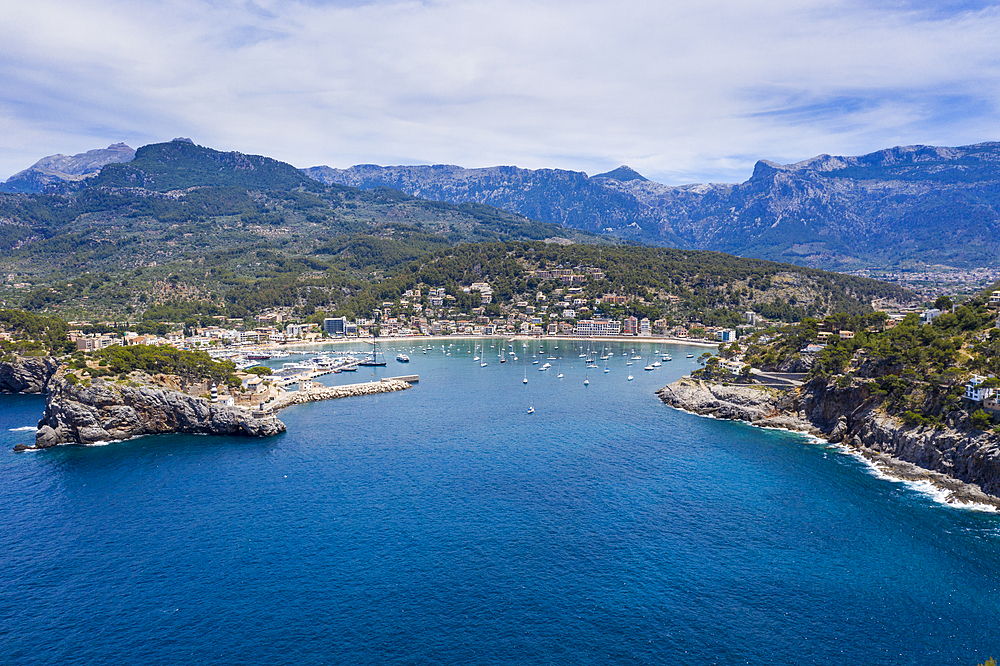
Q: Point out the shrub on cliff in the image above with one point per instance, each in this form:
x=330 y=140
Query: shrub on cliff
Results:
x=981 y=420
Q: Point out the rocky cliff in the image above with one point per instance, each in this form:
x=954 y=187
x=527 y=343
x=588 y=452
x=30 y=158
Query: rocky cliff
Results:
x=958 y=458
x=27 y=375
x=110 y=410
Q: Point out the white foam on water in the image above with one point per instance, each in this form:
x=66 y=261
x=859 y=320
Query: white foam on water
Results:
x=23 y=429
x=927 y=488
x=923 y=486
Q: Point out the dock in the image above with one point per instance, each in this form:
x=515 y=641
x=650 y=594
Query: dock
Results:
x=409 y=379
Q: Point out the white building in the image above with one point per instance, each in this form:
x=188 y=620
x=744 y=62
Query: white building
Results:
x=973 y=391
x=598 y=327
x=927 y=316
x=725 y=335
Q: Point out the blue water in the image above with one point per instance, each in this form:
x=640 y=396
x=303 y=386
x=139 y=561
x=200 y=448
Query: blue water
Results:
x=445 y=525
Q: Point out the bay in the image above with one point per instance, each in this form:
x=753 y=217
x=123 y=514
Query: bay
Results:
x=445 y=524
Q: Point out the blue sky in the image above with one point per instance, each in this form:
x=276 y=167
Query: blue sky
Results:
x=683 y=92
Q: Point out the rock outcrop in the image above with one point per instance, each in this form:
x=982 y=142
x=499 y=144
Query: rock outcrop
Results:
x=27 y=374
x=956 y=457
x=109 y=410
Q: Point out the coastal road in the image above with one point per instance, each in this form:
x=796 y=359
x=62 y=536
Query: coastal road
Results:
x=780 y=378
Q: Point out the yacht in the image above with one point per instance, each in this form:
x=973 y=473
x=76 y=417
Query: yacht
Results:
x=372 y=359
x=649 y=367
x=402 y=358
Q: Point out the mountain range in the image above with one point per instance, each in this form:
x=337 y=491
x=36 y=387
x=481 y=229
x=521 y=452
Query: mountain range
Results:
x=195 y=230
x=899 y=207
x=903 y=207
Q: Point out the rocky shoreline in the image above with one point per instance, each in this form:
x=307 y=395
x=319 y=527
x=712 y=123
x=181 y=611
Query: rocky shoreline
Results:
x=103 y=410
x=107 y=411
x=961 y=461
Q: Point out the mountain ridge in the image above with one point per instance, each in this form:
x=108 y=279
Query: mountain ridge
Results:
x=59 y=168
x=907 y=205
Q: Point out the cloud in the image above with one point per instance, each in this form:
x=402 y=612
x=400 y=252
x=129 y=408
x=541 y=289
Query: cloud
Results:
x=683 y=92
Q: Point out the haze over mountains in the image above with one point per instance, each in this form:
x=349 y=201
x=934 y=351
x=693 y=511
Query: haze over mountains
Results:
x=899 y=207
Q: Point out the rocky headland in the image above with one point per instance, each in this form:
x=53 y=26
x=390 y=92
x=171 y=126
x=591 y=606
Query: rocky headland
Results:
x=955 y=457
x=107 y=409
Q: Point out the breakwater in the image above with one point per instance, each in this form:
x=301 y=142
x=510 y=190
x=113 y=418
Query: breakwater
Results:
x=311 y=392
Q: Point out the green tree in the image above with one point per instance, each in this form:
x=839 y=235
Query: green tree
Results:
x=981 y=419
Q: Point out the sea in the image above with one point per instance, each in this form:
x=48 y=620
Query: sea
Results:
x=446 y=524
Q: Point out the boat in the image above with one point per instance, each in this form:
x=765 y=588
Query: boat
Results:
x=630 y=377
x=649 y=367
x=525 y=377
x=586 y=382
x=402 y=358
x=535 y=362
x=656 y=364
x=690 y=355
x=666 y=357
x=372 y=360
x=531 y=410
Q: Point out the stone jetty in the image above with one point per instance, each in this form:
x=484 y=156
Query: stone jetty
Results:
x=313 y=392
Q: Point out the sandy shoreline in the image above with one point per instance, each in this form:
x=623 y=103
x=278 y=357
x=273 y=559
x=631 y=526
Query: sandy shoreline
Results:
x=274 y=346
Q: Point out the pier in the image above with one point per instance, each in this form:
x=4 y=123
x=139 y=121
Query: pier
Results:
x=313 y=392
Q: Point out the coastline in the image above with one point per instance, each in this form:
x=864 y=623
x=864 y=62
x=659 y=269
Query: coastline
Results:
x=274 y=346
x=774 y=409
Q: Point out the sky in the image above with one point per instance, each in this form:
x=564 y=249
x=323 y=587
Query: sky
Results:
x=683 y=92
